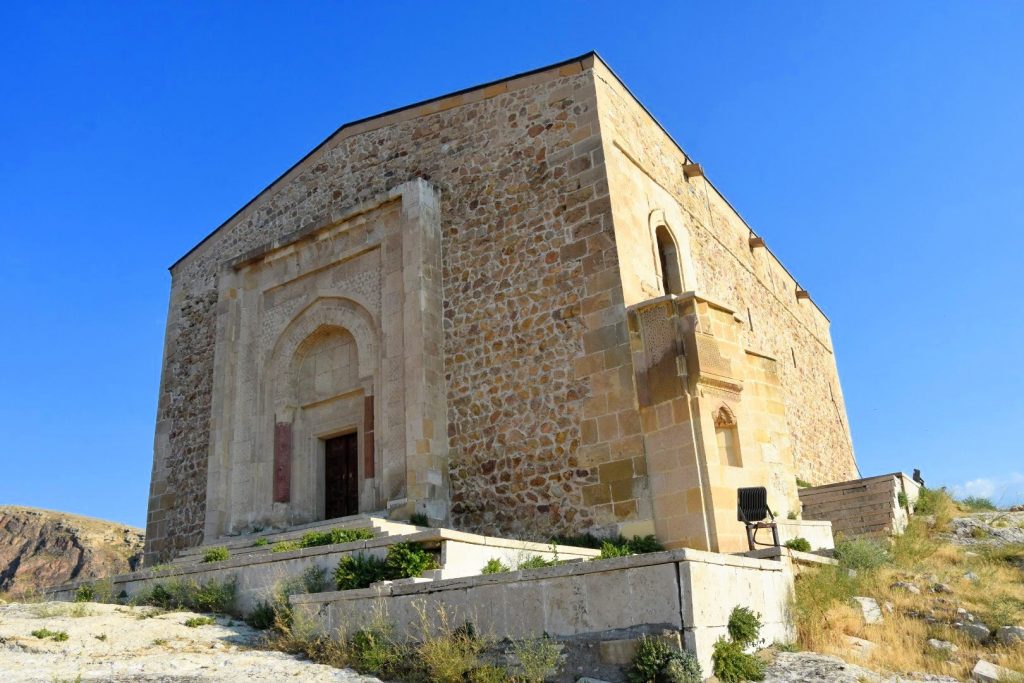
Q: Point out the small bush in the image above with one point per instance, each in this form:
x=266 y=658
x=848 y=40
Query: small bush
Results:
x=732 y=665
x=374 y=651
x=284 y=546
x=419 y=519
x=85 y=593
x=44 y=633
x=861 y=554
x=656 y=662
x=195 y=622
x=311 y=539
x=744 y=626
x=937 y=503
x=359 y=571
x=803 y=483
x=488 y=673
x=218 y=554
x=211 y=596
x=450 y=656
x=261 y=542
x=791 y=515
x=617 y=546
x=536 y=562
x=314 y=579
x=799 y=544
x=817 y=590
x=977 y=503
x=263 y=616
x=495 y=566
x=901 y=499
x=537 y=658
x=404 y=560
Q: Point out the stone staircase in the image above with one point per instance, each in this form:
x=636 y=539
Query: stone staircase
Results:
x=245 y=545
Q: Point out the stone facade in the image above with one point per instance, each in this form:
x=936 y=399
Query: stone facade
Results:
x=534 y=320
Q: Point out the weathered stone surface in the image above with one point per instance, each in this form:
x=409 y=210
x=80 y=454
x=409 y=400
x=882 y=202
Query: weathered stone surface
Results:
x=860 y=647
x=134 y=649
x=987 y=672
x=810 y=667
x=978 y=632
x=869 y=609
x=906 y=587
x=40 y=548
x=1010 y=635
x=943 y=645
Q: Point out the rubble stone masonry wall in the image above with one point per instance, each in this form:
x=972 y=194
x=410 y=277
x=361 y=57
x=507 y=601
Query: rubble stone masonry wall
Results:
x=526 y=232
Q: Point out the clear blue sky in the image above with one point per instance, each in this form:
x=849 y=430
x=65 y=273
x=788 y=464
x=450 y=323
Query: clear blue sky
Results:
x=877 y=146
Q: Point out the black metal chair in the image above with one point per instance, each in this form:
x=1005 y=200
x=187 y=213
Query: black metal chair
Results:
x=752 y=509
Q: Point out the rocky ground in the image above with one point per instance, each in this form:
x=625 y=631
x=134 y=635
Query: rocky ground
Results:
x=117 y=643
x=810 y=667
x=987 y=528
x=41 y=548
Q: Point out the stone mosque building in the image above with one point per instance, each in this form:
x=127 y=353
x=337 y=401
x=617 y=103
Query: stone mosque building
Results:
x=520 y=309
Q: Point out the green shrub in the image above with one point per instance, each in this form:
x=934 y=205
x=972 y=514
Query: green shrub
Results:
x=262 y=616
x=488 y=673
x=536 y=562
x=656 y=662
x=359 y=571
x=261 y=542
x=744 y=626
x=311 y=539
x=861 y=554
x=617 y=546
x=314 y=579
x=195 y=622
x=404 y=560
x=284 y=546
x=791 y=514
x=43 y=633
x=901 y=499
x=85 y=593
x=732 y=665
x=211 y=596
x=495 y=566
x=937 y=503
x=537 y=659
x=374 y=651
x=419 y=519
x=218 y=554
x=799 y=544
x=977 y=503
x=450 y=656
x=803 y=483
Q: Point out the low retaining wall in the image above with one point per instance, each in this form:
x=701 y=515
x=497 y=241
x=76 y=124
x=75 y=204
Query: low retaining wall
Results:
x=817 y=532
x=862 y=507
x=258 y=571
x=686 y=591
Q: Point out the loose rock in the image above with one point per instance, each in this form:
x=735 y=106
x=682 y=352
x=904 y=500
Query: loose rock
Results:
x=987 y=672
x=943 y=645
x=869 y=609
x=978 y=632
x=1009 y=635
x=905 y=586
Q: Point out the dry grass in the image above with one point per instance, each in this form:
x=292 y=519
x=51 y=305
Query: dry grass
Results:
x=996 y=598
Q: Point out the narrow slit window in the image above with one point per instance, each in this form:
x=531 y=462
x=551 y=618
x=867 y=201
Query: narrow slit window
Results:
x=728 y=438
x=671 y=278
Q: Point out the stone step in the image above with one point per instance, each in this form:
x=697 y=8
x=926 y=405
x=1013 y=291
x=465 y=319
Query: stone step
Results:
x=382 y=528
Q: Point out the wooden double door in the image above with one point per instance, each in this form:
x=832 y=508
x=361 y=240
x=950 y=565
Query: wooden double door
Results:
x=341 y=476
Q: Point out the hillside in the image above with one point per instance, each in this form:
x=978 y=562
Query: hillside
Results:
x=42 y=548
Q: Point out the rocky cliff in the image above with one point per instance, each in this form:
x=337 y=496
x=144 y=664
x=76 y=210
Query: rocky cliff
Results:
x=42 y=548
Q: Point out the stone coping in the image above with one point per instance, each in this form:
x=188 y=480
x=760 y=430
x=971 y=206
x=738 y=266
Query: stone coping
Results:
x=854 y=482
x=804 y=522
x=264 y=555
x=797 y=556
x=392 y=589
